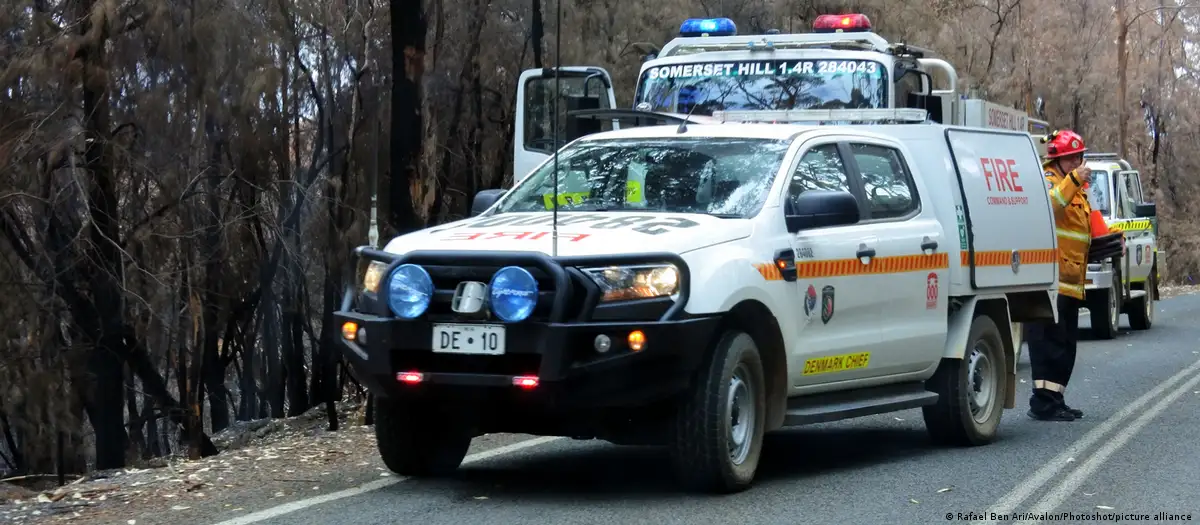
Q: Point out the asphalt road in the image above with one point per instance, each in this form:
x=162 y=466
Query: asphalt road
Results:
x=1132 y=454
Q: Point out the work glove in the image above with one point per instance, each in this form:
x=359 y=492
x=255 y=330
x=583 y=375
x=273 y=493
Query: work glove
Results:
x=1106 y=247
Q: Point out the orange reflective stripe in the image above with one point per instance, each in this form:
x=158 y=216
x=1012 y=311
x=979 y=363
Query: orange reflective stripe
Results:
x=878 y=265
x=769 y=271
x=905 y=263
x=1004 y=258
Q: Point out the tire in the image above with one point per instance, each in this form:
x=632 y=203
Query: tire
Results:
x=705 y=452
x=1141 y=317
x=954 y=420
x=415 y=440
x=1104 y=307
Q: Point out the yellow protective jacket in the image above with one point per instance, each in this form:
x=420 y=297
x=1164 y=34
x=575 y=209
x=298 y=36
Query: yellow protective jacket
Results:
x=1072 y=224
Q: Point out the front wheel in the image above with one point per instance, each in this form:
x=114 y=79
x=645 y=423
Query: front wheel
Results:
x=718 y=430
x=1141 y=317
x=970 y=390
x=1104 y=307
x=416 y=440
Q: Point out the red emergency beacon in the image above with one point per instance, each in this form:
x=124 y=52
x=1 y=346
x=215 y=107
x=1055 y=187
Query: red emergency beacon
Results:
x=852 y=23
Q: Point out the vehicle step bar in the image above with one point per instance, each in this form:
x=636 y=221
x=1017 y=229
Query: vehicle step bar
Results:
x=834 y=406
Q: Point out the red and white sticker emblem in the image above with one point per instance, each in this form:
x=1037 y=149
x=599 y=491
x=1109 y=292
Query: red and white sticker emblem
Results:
x=931 y=291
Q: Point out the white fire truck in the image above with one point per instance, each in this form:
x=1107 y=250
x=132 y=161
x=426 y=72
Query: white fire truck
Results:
x=698 y=286
x=707 y=284
x=1126 y=284
x=842 y=64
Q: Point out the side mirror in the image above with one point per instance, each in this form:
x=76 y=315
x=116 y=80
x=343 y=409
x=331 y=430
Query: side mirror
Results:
x=484 y=200
x=1145 y=209
x=821 y=208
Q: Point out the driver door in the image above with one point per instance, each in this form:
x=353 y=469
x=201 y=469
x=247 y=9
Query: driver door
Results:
x=1138 y=234
x=540 y=127
x=839 y=311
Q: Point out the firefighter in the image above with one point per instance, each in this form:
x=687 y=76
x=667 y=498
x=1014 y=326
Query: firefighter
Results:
x=1052 y=345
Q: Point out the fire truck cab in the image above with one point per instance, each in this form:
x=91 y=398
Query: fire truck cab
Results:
x=709 y=67
x=1126 y=284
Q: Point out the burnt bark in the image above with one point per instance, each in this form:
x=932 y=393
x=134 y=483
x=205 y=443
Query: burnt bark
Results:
x=326 y=358
x=212 y=373
x=1122 y=74
x=137 y=440
x=297 y=393
x=408 y=26
x=272 y=343
x=104 y=322
x=16 y=462
x=537 y=31
x=474 y=28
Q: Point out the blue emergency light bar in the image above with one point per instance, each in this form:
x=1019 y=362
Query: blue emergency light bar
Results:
x=707 y=27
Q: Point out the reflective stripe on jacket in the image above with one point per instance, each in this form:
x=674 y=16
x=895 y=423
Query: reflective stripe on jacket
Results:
x=1072 y=224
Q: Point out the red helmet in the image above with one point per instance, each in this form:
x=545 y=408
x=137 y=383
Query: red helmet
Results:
x=1063 y=144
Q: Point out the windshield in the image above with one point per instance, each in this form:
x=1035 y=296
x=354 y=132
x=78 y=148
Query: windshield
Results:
x=1097 y=192
x=725 y=177
x=764 y=85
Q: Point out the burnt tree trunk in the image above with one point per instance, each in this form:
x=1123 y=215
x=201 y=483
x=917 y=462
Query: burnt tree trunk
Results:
x=408 y=63
x=297 y=394
x=154 y=448
x=137 y=440
x=537 y=31
x=17 y=461
x=272 y=345
x=106 y=411
x=212 y=370
x=1122 y=73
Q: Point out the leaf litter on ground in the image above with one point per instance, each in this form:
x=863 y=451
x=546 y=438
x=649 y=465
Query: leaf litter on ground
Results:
x=263 y=455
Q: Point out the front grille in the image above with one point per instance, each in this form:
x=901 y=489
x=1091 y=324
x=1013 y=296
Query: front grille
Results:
x=447 y=278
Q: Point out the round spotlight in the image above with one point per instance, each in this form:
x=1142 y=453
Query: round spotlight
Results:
x=409 y=291
x=603 y=343
x=513 y=293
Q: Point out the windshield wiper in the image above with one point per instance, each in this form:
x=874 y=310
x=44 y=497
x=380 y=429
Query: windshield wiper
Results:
x=725 y=215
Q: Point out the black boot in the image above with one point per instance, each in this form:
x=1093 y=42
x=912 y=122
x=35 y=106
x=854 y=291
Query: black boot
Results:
x=1061 y=402
x=1044 y=406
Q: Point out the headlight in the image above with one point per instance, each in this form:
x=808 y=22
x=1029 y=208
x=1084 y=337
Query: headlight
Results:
x=409 y=291
x=374 y=275
x=513 y=293
x=619 y=283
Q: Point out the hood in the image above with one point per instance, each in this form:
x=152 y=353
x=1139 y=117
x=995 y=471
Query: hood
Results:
x=579 y=233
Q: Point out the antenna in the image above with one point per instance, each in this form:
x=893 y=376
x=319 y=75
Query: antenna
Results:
x=683 y=125
x=555 y=130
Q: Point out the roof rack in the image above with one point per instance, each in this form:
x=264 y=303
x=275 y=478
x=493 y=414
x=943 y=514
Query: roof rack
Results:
x=826 y=116
x=1110 y=157
x=866 y=41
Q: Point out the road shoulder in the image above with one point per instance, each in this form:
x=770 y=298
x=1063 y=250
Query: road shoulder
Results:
x=298 y=460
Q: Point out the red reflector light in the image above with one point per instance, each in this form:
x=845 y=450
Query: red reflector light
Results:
x=840 y=23
x=411 y=378
x=525 y=381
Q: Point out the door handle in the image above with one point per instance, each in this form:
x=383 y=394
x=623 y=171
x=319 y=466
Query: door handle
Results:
x=929 y=244
x=866 y=252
